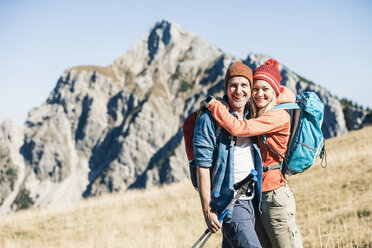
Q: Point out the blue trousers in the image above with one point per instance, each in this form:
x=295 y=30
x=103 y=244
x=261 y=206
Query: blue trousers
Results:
x=239 y=232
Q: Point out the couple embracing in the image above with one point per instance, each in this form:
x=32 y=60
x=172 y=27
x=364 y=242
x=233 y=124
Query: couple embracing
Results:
x=267 y=217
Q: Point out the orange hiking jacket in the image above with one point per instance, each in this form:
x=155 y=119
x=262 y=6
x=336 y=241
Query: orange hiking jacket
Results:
x=275 y=124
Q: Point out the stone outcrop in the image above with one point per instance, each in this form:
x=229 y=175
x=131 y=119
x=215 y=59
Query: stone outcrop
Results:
x=357 y=118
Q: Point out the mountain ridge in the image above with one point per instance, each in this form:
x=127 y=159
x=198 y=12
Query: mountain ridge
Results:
x=107 y=129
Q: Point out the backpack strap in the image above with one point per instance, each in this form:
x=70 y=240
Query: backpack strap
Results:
x=218 y=128
x=218 y=131
x=287 y=105
x=323 y=156
x=271 y=167
x=263 y=138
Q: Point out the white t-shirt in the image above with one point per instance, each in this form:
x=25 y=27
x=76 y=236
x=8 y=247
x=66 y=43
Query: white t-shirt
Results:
x=243 y=160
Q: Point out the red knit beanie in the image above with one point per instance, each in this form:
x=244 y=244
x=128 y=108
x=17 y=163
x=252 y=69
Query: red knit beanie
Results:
x=269 y=72
x=239 y=69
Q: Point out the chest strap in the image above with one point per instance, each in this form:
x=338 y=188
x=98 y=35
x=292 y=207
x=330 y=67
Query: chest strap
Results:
x=271 y=167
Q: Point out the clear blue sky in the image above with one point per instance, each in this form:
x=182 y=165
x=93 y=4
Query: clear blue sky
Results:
x=327 y=42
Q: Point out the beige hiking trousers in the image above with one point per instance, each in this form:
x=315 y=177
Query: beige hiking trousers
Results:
x=276 y=226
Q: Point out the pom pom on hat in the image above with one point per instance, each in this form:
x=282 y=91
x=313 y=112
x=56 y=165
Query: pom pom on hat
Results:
x=272 y=62
x=270 y=73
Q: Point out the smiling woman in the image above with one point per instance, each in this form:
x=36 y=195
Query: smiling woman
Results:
x=266 y=78
x=263 y=93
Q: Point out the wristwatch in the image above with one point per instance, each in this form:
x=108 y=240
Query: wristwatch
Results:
x=208 y=99
x=205 y=103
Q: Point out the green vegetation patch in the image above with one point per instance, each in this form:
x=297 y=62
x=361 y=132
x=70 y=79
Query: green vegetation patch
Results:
x=25 y=235
x=305 y=80
x=165 y=159
x=363 y=213
x=8 y=170
x=23 y=200
x=185 y=86
x=346 y=103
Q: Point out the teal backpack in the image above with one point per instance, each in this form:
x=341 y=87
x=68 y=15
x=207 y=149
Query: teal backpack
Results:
x=306 y=142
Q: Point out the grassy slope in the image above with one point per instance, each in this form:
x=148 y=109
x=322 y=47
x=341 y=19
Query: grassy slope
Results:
x=334 y=208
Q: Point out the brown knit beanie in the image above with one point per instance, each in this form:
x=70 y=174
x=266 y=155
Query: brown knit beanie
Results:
x=269 y=72
x=239 y=69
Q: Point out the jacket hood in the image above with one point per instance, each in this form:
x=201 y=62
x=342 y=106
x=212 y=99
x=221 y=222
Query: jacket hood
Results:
x=285 y=95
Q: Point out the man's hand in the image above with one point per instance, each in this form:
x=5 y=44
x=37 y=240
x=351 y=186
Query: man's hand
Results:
x=204 y=187
x=205 y=103
x=211 y=219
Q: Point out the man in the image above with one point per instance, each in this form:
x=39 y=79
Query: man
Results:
x=223 y=160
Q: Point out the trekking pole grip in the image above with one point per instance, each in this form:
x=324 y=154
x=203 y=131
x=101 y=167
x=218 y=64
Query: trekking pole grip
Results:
x=248 y=180
x=240 y=187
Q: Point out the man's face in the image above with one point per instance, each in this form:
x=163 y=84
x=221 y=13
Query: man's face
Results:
x=238 y=92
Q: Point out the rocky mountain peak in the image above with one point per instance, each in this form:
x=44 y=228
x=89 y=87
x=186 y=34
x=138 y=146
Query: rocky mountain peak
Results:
x=160 y=33
x=106 y=129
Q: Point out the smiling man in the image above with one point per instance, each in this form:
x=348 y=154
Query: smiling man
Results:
x=223 y=160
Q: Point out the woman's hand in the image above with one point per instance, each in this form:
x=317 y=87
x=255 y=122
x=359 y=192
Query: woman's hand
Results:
x=223 y=102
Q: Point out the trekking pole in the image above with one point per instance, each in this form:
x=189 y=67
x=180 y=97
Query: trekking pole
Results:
x=243 y=186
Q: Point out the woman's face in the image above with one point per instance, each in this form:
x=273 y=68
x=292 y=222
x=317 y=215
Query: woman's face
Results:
x=262 y=93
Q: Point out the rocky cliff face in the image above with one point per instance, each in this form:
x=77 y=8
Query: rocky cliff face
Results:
x=106 y=129
x=356 y=118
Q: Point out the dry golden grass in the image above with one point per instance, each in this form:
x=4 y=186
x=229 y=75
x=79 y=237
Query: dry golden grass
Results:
x=107 y=71
x=334 y=208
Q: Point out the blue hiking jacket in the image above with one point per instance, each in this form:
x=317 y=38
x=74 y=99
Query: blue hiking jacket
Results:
x=219 y=156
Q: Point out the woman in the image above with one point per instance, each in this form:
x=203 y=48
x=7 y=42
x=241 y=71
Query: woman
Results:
x=276 y=226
